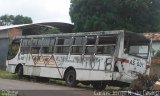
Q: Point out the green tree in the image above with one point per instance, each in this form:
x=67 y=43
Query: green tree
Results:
x=6 y=19
x=133 y=15
x=13 y=20
x=47 y=30
x=19 y=19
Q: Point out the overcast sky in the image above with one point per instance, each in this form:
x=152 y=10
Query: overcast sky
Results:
x=38 y=10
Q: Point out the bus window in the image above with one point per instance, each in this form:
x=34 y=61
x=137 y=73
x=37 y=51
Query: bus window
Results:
x=47 y=46
x=135 y=48
x=90 y=46
x=25 y=50
x=47 y=50
x=52 y=41
x=13 y=49
x=106 y=45
x=77 y=46
x=139 y=50
x=46 y=42
x=79 y=40
x=60 y=42
x=63 y=45
x=35 y=50
x=89 y=49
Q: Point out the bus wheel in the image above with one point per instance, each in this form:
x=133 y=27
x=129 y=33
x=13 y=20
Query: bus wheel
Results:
x=20 y=72
x=70 y=78
x=99 y=85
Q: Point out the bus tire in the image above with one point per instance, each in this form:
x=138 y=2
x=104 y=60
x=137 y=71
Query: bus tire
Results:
x=20 y=72
x=70 y=78
x=99 y=85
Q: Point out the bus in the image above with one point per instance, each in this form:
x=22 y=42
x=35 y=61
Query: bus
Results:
x=96 y=58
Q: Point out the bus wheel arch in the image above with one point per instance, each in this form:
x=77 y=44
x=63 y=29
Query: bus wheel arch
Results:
x=70 y=77
x=19 y=71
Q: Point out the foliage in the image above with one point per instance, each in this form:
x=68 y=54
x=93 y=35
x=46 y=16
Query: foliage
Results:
x=157 y=53
x=50 y=30
x=6 y=75
x=144 y=82
x=19 y=19
x=133 y=15
x=13 y=20
x=45 y=30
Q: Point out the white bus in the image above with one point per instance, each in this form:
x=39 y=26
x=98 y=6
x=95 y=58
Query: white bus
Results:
x=97 y=58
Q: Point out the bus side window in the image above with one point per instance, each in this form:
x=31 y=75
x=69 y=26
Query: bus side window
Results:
x=35 y=50
x=90 y=46
x=47 y=50
x=77 y=46
x=106 y=45
x=25 y=50
x=63 y=45
x=47 y=46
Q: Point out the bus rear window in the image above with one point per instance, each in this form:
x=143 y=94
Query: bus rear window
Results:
x=139 y=50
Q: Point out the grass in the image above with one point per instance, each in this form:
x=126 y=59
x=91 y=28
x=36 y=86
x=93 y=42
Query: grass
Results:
x=6 y=75
x=8 y=93
x=59 y=82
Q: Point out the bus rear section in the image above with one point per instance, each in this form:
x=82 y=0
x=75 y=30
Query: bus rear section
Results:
x=96 y=58
x=133 y=59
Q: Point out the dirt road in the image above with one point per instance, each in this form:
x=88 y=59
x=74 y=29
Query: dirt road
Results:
x=26 y=88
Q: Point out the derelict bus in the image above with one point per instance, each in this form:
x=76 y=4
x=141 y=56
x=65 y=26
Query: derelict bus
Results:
x=96 y=58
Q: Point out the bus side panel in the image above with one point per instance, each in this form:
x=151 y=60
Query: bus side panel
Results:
x=88 y=67
x=51 y=72
x=90 y=75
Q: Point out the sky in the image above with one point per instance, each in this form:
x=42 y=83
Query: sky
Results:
x=38 y=10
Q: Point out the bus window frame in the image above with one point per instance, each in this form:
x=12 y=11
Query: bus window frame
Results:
x=62 y=46
x=78 y=45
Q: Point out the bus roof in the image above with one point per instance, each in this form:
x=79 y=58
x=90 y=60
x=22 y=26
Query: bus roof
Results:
x=131 y=35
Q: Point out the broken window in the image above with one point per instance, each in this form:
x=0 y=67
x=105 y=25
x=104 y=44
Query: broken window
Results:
x=139 y=50
x=25 y=50
x=106 y=45
x=77 y=47
x=47 y=50
x=136 y=47
x=90 y=45
x=35 y=50
x=48 y=46
x=63 y=45
x=52 y=42
x=46 y=41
